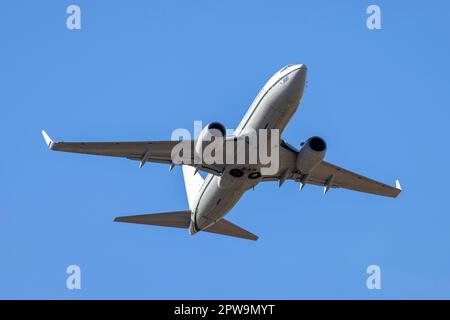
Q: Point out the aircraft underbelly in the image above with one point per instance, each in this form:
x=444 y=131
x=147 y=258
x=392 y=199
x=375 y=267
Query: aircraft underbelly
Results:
x=273 y=113
x=215 y=202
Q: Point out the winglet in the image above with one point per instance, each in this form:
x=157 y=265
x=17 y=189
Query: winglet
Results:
x=397 y=184
x=48 y=140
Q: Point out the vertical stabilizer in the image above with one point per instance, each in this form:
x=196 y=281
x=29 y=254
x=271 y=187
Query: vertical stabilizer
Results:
x=193 y=182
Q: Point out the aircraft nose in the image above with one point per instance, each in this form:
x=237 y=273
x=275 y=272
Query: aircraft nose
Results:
x=301 y=71
x=299 y=77
x=297 y=84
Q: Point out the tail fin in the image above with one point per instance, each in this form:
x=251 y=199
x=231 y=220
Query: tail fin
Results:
x=193 y=182
x=227 y=228
x=177 y=219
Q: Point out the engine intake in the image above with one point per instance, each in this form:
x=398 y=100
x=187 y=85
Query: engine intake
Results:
x=311 y=154
x=317 y=144
x=207 y=135
x=217 y=126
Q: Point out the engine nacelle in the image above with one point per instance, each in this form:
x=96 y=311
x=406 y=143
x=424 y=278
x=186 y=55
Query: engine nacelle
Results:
x=311 y=154
x=208 y=134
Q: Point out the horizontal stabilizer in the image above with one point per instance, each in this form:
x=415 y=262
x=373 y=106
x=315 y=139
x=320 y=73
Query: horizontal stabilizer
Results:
x=177 y=219
x=227 y=228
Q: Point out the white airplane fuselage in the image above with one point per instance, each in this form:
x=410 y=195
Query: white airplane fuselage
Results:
x=272 y=109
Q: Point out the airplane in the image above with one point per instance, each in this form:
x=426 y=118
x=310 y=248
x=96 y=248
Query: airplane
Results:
x=212 y=197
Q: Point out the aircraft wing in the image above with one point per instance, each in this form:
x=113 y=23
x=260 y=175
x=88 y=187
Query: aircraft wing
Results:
x=337 y=177
x=143 y=151
x=329 y=176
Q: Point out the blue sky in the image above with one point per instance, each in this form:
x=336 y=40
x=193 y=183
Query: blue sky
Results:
x=137 y=71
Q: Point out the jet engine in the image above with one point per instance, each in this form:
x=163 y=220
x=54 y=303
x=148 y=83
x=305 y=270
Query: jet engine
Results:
x=311 y=154
x=208 y=134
